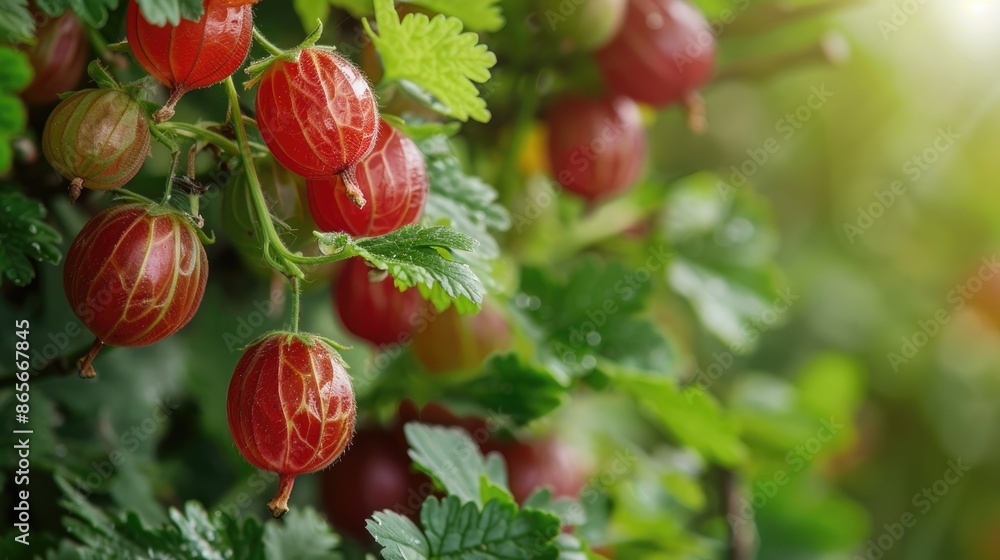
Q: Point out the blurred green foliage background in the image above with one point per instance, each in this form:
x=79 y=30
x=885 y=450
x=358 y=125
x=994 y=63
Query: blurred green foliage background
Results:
x=844 y=211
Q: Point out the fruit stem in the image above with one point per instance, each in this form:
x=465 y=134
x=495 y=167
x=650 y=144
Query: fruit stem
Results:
x=279 y=505
x=200 y=133
x=264 y=222
x=694 y=113
x=75 y=189
x=268 y=45
x=166 y=112
x=771 y=16
x=85 y=364
x=296 y=305
x=351 y=187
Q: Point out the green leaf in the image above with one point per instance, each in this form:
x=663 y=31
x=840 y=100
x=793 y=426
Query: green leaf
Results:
x=302 y=535
x=477 y=15
x=511 y=388
x=435 y=55
x=569 y=511
x=452 y=458
x=418 y=130
x=15 y=70
x=399 y=537
x=356 y=8
x=693 y=416
x=161 y=12
x=6 y=162
x=311 y=10
x=462 y=201
x=16 y=25
x=733 y=304
x=24 y=237
x=457 y=530
x=420 y=256
x=13 y=115
x=188 y=535
x=465 y=203
x=590 y=316
x=725 y=243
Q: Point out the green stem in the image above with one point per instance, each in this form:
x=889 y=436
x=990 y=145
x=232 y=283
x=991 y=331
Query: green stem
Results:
x=133 y=196
x=272 y=241
x=199 y=133
x=268 y=45
x=296 y=303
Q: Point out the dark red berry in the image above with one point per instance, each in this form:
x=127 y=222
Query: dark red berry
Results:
x=191 y=54
x=662 y=54
x=291 y=408
x=97 y=138
x=59 y=57
x=135 y=275
x=318 y=115
x=393 y=179
x=375 y=311
x=540 y=463
x=375 y=475
x=597 y=148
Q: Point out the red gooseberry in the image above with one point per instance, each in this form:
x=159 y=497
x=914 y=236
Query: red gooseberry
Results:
x=596 y=148
x=191 y=54
x=59 y=56
x=392 y=178
x=375 y=310
x=134 y=275
x=291 y=408
x=318 y=116
x=663 y=52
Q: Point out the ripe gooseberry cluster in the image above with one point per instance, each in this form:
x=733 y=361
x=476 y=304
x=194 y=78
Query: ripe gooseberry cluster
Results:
x=137 y=272
x=657 y=52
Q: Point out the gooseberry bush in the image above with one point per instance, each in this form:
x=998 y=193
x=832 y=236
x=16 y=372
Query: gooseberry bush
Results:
x=417 y=258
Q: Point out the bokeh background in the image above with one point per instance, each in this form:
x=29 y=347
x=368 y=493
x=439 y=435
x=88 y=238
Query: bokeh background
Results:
x=847 y=189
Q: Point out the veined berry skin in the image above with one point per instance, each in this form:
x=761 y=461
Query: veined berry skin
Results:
x=97 y=138
x=135 y=276
x=318 y=114
x=393 y=179
x=291 y=408
x=191 y=54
